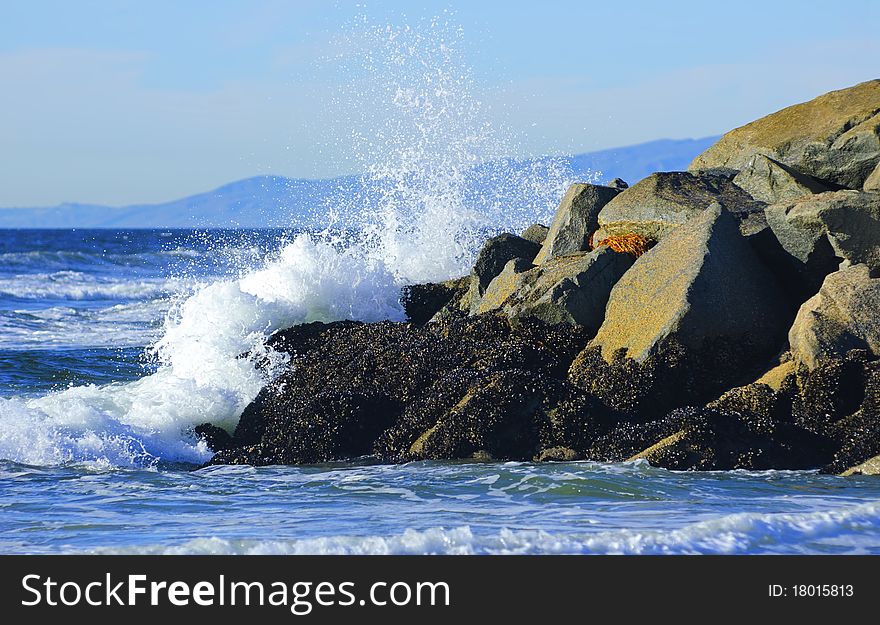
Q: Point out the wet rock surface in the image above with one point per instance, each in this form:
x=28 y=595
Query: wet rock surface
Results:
x=359 y=389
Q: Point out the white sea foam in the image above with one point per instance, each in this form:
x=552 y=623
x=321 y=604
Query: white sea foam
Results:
x=202 y=376
x=132 y=324
x=836 y=530
x=76 y=285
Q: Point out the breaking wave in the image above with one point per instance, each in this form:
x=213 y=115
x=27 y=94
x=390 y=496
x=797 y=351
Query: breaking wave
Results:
x=419 y=218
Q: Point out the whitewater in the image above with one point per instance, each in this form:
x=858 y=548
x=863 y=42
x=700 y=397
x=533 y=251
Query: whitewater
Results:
x=115 y=344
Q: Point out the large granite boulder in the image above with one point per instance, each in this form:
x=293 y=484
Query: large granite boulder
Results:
x=575 y=221
x=495 y=253
x=567 y=289
x=835 y=137
x=770 y=181
x=844 y=315
x=817 y=232
x=663 y=201
x=691 y=317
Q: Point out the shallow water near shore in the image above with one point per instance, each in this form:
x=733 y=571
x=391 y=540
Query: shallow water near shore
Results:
x=435 y=508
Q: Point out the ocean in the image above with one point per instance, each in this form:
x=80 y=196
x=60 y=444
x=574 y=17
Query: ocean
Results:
x=114 y=344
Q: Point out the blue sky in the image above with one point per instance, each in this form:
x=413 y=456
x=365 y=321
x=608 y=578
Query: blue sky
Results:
x=123 y=102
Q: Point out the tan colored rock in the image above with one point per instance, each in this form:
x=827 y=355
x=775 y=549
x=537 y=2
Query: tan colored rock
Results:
x=868 y=467
x=835 y=137
x=494 y=255
x=702 y=283
x=843 y=315
x=512 y=278
x=661 y=447
x=778 y=375
x=536 y=233
x=663 y=201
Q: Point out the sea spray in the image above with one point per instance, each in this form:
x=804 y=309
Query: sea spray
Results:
x=435 y=184
x=438 y=174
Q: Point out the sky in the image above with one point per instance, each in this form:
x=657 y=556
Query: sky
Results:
x=122 y=102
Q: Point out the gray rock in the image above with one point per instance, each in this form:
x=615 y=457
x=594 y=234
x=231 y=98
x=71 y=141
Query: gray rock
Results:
x=618 y=183
x=512 y=279
x=700 y=283
x=575 y=220
x=568 y=289
x=663 y=201
x=770 y=181
x=536 y=233
x=873 y=181
x=496 y=253
x=835 y=137
x=844 y=315
x=843 y=224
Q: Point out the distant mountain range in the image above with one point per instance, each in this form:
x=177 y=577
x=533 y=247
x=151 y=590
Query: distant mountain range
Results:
x=276 y=201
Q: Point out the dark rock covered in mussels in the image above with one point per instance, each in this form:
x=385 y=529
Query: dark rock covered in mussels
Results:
x=379 y=387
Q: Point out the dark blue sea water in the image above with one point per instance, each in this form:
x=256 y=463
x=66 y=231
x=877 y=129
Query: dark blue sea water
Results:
x=114 y=344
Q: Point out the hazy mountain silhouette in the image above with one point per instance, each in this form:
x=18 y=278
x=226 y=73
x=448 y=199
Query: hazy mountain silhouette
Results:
x=276 y=201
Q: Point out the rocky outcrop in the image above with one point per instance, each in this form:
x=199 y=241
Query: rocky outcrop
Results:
x=822 y=418
x=843 y=225
x=400 y=391
x=747 y=337
x=567 y=289
x=575 y=221
x=844 y=315
x=663 y=201
x=704 y=439
x=699 y=297
x=835 y=137
x=770 y=181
